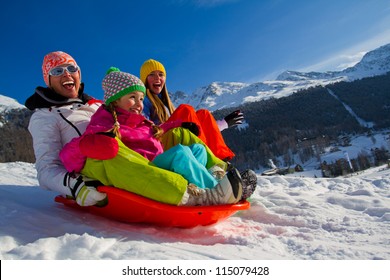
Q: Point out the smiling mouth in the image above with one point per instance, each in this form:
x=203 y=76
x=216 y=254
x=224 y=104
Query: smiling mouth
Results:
x=68 y=84
x=136 y=111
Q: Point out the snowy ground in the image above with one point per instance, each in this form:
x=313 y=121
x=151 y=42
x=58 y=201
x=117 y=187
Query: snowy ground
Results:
x=291 y=218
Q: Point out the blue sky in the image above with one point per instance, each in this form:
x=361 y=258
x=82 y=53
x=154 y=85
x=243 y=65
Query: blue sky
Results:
x=198 y=41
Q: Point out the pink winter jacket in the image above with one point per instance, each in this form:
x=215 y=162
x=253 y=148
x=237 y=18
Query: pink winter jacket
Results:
x=136 y=133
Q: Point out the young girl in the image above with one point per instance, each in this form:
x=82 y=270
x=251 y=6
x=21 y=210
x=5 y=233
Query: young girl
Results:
x=121 y=115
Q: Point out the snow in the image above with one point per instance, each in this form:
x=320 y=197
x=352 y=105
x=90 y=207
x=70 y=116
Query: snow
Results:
x=299 y=216
x=351 y=112
x=290 y=218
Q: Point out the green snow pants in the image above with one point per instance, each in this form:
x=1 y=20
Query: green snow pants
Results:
x=132 y=172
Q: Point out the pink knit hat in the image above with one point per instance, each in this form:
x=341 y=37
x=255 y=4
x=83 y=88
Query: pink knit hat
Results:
x=54 y=59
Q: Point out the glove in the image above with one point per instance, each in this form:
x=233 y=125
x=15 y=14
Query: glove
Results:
x=235 y=118
x=101 y=146
x=193 y=127
x=84 y=191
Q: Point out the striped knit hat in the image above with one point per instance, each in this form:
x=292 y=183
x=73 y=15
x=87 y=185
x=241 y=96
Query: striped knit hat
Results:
x=117 y=84
x=149 y=66
x=54 y=59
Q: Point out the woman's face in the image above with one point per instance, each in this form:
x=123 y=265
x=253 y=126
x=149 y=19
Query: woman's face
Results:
x=132 y=102
x=155 y=81
x=67 y=84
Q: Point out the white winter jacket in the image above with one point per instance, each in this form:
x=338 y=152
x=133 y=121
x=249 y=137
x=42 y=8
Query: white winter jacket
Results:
x=51 y=128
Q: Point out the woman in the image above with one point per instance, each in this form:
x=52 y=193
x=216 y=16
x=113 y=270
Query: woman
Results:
x=62 y=111
x=159 y=108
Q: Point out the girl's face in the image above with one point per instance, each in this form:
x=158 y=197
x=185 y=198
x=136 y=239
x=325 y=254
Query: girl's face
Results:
x=155 y=81
x=132 y=102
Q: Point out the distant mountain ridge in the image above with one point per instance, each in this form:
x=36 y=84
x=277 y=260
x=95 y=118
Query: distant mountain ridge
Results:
x=220 y=95
x=8 y=103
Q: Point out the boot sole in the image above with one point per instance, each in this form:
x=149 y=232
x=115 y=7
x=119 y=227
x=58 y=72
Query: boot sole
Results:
x=235 y=177
x=249 y=179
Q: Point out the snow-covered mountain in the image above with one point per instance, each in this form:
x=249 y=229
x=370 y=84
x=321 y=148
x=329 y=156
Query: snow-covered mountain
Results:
x=219 y=95
x=7 y=103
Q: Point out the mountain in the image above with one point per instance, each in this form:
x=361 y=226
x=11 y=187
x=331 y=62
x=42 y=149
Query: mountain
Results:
x=220 y=95
x=7 y=105
x=16 y=141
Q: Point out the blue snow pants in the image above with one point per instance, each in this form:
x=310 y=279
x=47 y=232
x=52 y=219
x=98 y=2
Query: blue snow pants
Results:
x=188 y=161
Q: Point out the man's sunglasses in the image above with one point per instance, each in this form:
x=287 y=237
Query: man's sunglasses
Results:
x=58 y=71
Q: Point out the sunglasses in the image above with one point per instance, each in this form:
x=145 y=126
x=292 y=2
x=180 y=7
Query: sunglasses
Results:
x=58 y=71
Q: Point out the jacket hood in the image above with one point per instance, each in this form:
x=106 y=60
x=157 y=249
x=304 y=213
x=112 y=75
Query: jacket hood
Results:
x=46 y=98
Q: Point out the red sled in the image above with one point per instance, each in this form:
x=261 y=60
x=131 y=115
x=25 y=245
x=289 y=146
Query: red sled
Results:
x=128 y=207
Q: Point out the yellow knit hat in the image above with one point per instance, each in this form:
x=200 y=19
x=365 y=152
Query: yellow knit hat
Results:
x=148 y=67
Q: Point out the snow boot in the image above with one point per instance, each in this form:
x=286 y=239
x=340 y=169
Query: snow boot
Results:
x=249 y=179
x=230 y=166
x=217 y=172
x=227 y=191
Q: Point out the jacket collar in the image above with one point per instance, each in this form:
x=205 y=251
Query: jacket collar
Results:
x=47 y=98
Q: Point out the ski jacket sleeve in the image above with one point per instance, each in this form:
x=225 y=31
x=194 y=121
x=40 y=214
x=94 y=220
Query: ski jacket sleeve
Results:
x=171 y=124
x=93 y=143
x=98 y=146
x=71 y=156
x=51 y=129
x=47 y=144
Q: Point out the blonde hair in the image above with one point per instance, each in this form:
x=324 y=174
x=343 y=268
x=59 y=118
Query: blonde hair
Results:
x=116 y=126
x=160 y=105
x=157 y=131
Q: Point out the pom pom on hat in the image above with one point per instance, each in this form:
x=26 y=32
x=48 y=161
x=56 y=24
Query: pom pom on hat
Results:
x=149 y=66
x=117 y=84
x=54 y=59
x=112 y=69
